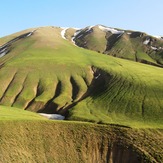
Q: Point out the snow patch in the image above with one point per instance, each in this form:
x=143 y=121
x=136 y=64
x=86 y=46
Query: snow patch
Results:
x=158 y=37
x=153 y=47
x=74 y=36
x=29 y=34
x=146 y=42
x=1 y=51
x=75 y=28
x=63 y=32
x=119 y=35
x=2 y=54
x=156 y=48
x=88 y=29
x=129 y=33
x=79 y=36
x=78 y=31
x=73 y=41
x=4 y=49
x=112 y=30
x=97 y=76
x=53 y=116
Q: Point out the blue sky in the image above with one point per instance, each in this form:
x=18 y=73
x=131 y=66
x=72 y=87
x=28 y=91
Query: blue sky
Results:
x=142 y=15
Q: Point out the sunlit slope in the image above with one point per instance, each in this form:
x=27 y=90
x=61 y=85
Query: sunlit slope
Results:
x=15 y=114
x=41 y=69
x=127 y=44
x=46 y=73
x=125 y=94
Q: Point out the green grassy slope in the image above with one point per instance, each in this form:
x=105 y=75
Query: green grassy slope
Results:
x=129 y=93
x=130 y=45
x=45 y=73
x=93 y=39
x=15 y=114
x=27 y=137
x=45 y=69
x=71 y=142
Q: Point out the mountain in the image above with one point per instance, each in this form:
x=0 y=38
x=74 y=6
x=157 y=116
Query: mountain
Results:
x=108 y=76
x=43 y=70
x=127 y=44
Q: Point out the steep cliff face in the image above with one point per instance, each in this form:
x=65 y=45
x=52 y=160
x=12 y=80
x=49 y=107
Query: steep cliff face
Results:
x=67 y=142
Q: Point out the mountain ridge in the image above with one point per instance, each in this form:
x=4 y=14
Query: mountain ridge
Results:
x=150 y=47
x=126 y=44
x=55 y=76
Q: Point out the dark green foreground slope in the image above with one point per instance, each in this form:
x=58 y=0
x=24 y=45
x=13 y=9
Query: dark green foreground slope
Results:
x=36 y=140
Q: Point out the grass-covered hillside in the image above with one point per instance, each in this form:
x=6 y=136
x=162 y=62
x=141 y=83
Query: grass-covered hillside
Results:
x=15 y=114
x=126 y=44
x=41 y=71
x=27 y=137
x=44 y=70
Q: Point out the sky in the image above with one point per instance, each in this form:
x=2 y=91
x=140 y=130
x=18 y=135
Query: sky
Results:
x=139 y=15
